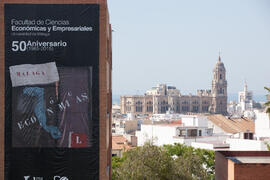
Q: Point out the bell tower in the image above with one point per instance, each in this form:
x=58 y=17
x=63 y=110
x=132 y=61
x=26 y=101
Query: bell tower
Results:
x=219 y=89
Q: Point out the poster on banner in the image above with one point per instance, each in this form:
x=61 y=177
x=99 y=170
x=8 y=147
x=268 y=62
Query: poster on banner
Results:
x=52 y=91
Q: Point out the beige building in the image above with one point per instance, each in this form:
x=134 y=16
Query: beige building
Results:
x=162 y=98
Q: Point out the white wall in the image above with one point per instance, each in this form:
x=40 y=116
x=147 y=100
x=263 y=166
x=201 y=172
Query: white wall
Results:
x=199 y=121
x=246 y=145
x=202 y=145
x=262 y=124
x=159 y=134
x=162 y=134
x=216 y=129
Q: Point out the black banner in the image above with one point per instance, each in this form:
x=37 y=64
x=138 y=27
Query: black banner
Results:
x=51 y=91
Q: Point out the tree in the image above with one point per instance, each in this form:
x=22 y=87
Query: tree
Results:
x=205 y=159
x=116 y=163
x=170 y=162
x=146 y=162
x=267 y=104
x=267 y=145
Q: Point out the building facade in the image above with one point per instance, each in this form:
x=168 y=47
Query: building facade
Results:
x=241 y=165
x=162 y=98
x=245 y=99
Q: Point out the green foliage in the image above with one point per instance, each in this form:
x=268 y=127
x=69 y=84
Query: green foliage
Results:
x=268 y=102
x=116 y=163
x=170 y=162
x=267 y=111
x=268 y=146
x=204 y=158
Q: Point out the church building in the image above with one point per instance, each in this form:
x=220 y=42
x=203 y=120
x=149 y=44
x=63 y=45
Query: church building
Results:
x=163 y=98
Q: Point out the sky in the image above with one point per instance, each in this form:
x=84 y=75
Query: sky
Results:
x=177 y=42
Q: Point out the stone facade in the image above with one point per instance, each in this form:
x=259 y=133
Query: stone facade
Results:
x=162 y=98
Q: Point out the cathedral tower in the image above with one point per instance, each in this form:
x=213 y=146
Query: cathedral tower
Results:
x=219 y=89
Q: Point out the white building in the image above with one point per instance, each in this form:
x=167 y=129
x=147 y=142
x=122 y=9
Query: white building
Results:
x=212 y=145
x=191 y=128
x=245 y=105
x=187 y=120
x=237 y=144
x=262 y=125
x=165 y=117
x=242 y=132
x=194 y=120
x=161 y=134
x=116 y=109
x=242 y=128
x=245 y=100
x=234 y=109
x=213 y=132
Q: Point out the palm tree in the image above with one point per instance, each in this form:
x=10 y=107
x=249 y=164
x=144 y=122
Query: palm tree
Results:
x=267 y=104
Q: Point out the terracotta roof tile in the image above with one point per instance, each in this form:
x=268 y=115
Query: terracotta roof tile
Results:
x=120 y=143
x=233 y=125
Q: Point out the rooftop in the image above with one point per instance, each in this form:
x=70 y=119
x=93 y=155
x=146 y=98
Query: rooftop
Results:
x=251 y=159
x=120 y=143
x=233 y=125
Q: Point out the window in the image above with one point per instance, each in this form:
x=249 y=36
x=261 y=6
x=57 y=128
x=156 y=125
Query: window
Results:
x=220 y=76
x=181 y=132
x=192 y=132
x=185 y=108
x=138 y=108
x=205 y=108
x=205 y=102
x=195 y=108
x=177 y=108
x=139 y=102
x=185 y=102
x=195 y=102
x=163 y=109
x=248 y=135
x=221 y=91
x=149 y=108
x=128 y=108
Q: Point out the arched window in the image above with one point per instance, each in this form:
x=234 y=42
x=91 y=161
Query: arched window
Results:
x=220 y=76
x=221 y=91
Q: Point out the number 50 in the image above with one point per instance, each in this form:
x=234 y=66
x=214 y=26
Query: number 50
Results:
x=18 y=46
